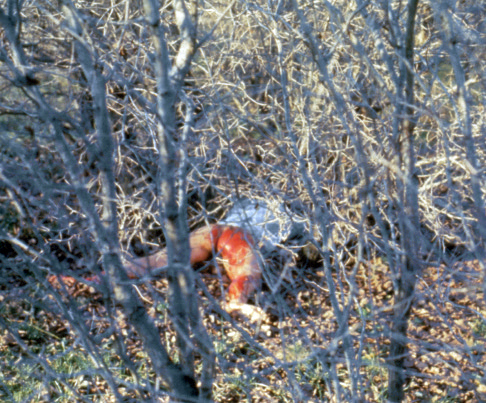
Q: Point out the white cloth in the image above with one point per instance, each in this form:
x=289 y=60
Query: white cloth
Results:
x=267 y=227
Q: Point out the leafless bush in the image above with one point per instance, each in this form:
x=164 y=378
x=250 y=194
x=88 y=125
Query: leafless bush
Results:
x=372 y=139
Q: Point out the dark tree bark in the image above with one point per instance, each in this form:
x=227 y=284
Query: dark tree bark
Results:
x=409 y=224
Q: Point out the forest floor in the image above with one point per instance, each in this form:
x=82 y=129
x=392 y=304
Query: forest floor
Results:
x=290 y=355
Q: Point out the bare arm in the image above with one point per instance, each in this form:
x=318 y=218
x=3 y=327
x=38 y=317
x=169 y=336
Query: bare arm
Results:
x=236 y=248
x=234 y=245
x=202 y=243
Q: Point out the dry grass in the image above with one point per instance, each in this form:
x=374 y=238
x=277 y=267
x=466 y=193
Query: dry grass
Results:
x=337 y=167
x=286 y=358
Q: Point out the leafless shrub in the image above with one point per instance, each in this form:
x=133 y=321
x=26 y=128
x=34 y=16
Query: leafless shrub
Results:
x=306 y=105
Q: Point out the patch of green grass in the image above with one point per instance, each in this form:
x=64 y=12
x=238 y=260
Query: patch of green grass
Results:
x=312 y=374
x=309 y=370
x=296 y=352
x=57 y=370
x=25 y=377
x=367 y=311
x=479 y=327
x=234 y=387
